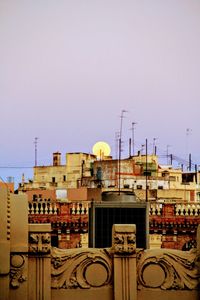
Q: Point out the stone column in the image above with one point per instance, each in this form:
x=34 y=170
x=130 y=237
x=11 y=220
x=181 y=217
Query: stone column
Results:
x=39 y=262
x=124 y=248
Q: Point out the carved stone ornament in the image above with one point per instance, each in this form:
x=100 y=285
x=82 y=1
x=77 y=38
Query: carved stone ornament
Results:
x=168 y=269
x=17 y=273
x=80 y=268
x=39 y=243
x=124 y=239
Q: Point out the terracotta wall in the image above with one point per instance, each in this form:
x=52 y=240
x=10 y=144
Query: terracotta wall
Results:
x=84 y=194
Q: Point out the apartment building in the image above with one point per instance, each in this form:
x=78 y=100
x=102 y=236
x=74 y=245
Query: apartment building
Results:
x=61 y=195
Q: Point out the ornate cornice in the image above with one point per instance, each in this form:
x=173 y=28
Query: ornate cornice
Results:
x=168 y=269
x=124 y=239
x=40 y=243
x=80 y=268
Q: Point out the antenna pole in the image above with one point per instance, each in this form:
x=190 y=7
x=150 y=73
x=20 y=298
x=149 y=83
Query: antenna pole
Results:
x=146 y=171
x=133 y=136
x=154 y=146
x=188 y=133
x=116 y=143
x=168 y=153
x=36 y=142
x=120 y=147
x=129 y=147
x=190 y=162
x=119 y=169
x=121 y=123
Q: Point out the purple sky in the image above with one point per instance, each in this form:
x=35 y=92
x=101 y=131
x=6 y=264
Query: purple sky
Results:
x=68 y=68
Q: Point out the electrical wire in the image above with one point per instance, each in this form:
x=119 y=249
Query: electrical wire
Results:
x=14 y=167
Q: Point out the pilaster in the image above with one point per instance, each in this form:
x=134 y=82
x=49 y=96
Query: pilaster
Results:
x=39 y=262
x=4 y=243
x=18 y=247
x=124 y=248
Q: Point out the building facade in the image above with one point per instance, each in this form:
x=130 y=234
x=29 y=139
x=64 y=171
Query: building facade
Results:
x=59 y=194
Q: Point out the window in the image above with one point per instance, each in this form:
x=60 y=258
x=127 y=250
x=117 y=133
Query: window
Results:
x=64 y=177
x=126 y=186
x=139 y=187
x=147 y=173
x=53 y=179
x=165 y=174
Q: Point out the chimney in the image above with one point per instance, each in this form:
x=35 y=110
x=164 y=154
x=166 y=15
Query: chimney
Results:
x=56 y=159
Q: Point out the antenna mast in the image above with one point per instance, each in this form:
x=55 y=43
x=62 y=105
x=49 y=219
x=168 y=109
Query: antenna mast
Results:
x=154 y=146
x=133 y=136
x=188 y=133
x=168 y=153
x=120 y=146
x=146 y=144
x=36 y=142
x=116 y=143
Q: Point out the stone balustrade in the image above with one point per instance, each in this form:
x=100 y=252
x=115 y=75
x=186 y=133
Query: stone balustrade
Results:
x=37 y=208
x=187 y=209
x=180 y=209
x=155 y=209
x=46 y=208
x=79 y=209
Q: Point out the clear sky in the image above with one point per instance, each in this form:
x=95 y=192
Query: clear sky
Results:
x=68 y=68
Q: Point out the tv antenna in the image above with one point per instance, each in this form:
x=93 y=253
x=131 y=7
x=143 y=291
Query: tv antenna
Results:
x=154 y=146
x=36 y=142
x=133 y=136
x=120 y=144
x=188 y=134
x=116 y=143
x=168 y=153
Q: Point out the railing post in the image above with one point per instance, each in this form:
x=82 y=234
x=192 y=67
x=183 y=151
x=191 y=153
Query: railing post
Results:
x=124 y=248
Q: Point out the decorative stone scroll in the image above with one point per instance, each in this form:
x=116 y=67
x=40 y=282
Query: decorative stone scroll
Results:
x=17 y=272
x=168 y=269
x=81 y=268
x=124 y=239
x=40 y=243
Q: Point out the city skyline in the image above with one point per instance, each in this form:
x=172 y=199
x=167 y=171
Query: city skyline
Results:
x=68 y=69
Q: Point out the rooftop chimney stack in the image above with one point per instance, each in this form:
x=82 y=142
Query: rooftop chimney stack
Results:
x=56 y=159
